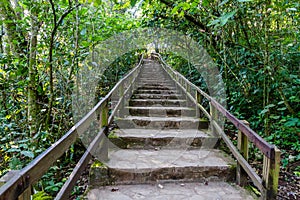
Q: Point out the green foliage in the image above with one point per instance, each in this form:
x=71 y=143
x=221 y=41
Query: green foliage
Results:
x=133 y=2
x=117 y=70
x=77 y=34
x=255 y=44
x=222 y=20
x=41 y=196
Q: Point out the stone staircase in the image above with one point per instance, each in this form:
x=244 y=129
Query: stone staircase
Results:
x=162 y=144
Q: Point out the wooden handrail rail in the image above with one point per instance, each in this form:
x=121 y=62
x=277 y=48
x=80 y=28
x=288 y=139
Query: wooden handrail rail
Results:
x=259 y=142
x=266 y=148
x=83 y=162
x=39 y=166
x=268 y=185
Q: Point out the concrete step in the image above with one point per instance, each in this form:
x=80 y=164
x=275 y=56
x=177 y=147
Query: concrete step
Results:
x=162 y=122
x=154 y=75
x=162 y=139
x=156 y=96
x=155 y=79
x=157 y=102
x=156 y=83
x=171 y=191
x=155 y=91
x=155 y=87
x=148 y=166
x=159 y=111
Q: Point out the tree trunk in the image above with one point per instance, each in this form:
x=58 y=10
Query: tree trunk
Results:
x=56 y=24
x=15 y=37
x=76 y=43
x=33 y=121
x=266 y=96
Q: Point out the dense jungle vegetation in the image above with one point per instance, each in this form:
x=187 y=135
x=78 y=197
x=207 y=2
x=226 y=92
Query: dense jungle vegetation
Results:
x=255 y=44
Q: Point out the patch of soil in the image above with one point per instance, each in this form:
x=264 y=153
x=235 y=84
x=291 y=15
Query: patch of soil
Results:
x=289 y=186
x=82 y=183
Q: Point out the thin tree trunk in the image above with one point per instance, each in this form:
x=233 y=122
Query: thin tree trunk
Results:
x=2 y=86
x=76 y=35
x=33 y=121
x=266 y=65
x=15 y=37
x=56 y=24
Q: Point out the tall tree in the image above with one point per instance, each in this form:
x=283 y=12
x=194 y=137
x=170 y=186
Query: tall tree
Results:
x=15 y=37
x=33 y=121
x=56 y=24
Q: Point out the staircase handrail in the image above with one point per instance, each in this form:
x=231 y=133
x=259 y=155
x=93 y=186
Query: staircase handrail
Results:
x=19 y=186
x=268 y=184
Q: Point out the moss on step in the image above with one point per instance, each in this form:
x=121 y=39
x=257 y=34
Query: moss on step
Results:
x=99 y=175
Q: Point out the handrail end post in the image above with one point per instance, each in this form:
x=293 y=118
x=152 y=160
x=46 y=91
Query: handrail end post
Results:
x=271 y=168
x=104 y=124
x=243 y=147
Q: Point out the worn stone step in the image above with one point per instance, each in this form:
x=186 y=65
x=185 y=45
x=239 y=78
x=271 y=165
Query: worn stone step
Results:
x=155 y=79
x=162 y=122
x=157 y=96
x=154 y=75
x=157 y=102
x=156 y=83
x=156 y=111
x=149 y=87
x=155 y=91
x=163 y=139
x=171 y=191
x=148 y=166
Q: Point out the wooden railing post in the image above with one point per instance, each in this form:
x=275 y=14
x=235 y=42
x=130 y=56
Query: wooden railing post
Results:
x=120 y=112
x=213 y=117
x=198 y=100
x=186 y=86
x=243 y=147
x=270 y=178
x=26 y=195
x=104 y=123
x=189 y=88
x=104 y=114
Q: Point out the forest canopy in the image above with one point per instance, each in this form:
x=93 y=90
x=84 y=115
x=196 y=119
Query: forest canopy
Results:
x=255 y=45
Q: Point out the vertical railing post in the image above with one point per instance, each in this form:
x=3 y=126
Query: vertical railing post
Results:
x=120 y=110
x=213 y=117
x=104 y=123
x=104 y=114
x=243 y=147
x=198 y=100
x=188 y=88
x=271 y=169
x=135 y=74
x=26 y=195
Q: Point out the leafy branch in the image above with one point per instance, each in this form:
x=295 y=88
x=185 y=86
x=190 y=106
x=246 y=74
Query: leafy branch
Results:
x=51 y=46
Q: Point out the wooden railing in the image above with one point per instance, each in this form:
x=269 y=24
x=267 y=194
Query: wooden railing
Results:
x=268 y=184
x=20 y=185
